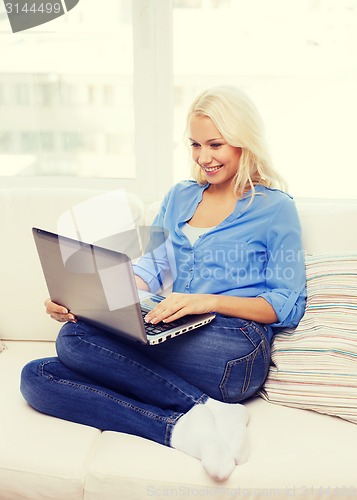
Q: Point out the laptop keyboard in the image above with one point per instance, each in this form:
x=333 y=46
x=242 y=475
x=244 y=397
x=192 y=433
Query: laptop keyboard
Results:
x=159 y=327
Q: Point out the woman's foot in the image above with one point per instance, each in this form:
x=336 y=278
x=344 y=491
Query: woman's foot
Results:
x=231 y=421
x=196 y=434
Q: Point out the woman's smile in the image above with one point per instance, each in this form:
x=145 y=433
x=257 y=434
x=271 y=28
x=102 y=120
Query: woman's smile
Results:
x=211 y=170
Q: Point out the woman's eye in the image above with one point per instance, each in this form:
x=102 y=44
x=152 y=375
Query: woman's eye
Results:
x=215 y=145
x=194 y=145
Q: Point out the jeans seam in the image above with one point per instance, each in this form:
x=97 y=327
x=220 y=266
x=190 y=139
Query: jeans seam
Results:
x=258 y=331
x=250 y=365
x=134 y=363
x=265 y=342
x=170 y=426
x=246 y=327
x=166 y=420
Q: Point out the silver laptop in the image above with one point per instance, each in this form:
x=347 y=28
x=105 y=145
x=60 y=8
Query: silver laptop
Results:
x=97 y=285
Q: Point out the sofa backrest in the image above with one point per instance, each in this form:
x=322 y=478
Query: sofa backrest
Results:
x=23 y=289
x=328 y=226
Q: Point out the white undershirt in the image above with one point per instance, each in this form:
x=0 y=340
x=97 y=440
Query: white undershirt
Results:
x=193 y=233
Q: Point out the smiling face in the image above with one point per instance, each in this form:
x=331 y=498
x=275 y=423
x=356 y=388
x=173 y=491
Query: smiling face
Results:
x=217 y=159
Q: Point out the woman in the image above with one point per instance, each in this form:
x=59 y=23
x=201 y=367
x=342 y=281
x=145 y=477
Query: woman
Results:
x=237 y=252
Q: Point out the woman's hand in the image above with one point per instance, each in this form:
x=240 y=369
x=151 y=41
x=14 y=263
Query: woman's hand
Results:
x=177 y=305
x=59 y=313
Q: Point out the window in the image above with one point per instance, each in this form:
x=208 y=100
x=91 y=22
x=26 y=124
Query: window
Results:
x=296 y=58
x=64 y=78
x=72 y=141
x=29 y=142
x=22 y=94
x=103 y=95
x=5 y=142
x=45 y=94
x=47 y=141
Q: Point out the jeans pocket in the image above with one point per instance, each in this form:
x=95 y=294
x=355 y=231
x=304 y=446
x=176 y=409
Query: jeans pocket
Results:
x=244 y=376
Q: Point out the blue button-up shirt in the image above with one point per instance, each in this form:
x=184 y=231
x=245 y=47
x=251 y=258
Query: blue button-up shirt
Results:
x=255 y=252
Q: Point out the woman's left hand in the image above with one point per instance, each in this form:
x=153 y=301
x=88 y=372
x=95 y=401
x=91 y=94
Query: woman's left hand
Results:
x=177 y=305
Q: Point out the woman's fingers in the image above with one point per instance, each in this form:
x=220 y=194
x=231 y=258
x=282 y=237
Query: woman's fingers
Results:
x=58 y=312
x=173 y=307
x=177 y=305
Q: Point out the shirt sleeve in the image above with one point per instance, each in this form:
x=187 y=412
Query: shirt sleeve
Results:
x=157 y=265
x=285 y=271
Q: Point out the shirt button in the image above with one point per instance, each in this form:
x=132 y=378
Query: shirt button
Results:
x=187 y=285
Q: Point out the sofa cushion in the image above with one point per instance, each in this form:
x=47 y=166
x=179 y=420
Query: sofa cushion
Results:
x=315 y=365
x=43 y=457
x=40 y=456
x=293 y=453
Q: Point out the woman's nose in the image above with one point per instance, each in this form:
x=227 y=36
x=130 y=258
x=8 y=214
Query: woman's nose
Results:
x=205 y=157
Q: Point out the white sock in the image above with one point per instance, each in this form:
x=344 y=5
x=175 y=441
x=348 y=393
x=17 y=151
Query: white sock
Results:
x=196 y=434
x=231 y=421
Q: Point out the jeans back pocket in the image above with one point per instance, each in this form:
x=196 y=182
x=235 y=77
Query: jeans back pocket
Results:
x=245 y=375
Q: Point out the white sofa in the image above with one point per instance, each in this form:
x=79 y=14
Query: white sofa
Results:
x=293 y=453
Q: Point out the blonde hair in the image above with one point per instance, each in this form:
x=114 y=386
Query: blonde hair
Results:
x=238 y=120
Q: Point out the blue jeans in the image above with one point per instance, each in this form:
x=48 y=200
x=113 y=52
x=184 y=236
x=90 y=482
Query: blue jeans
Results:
x=101 y=380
